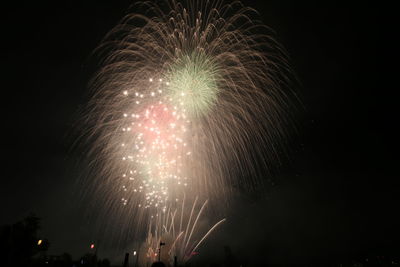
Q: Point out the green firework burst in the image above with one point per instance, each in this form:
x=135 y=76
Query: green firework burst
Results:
x=193 y=83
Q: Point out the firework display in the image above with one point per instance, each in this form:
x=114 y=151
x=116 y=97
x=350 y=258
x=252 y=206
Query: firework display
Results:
x=189 y=94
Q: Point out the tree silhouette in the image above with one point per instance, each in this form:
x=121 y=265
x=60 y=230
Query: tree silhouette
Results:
x=19 y=241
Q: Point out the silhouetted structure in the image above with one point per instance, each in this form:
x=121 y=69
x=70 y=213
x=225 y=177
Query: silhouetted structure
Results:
x=229 y=259
x=126 y=261
x=158 y=264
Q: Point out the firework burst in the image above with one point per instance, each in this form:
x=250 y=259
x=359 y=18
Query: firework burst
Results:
x=190 y=98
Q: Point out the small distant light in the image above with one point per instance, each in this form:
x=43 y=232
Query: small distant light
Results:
x=39 y=242
x=125 y=92
x=91 y=246
x=151 y=79
x=134 y=253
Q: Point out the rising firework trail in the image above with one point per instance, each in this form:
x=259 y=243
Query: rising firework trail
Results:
x=181 y=234
x=190 y=99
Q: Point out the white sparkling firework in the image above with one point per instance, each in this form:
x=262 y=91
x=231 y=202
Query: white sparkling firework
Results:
x=154 y=145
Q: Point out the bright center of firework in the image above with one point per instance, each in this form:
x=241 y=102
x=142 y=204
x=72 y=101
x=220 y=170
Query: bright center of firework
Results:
x=193 y=84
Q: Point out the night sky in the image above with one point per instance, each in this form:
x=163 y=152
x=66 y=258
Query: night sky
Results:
x=337 y=195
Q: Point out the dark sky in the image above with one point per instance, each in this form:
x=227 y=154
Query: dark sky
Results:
x=336 y=196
